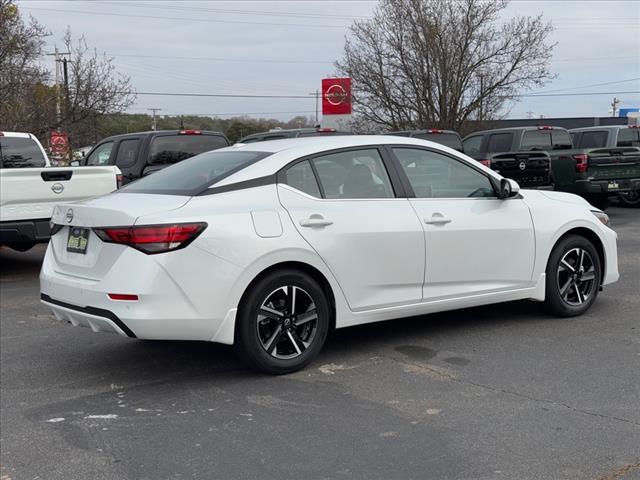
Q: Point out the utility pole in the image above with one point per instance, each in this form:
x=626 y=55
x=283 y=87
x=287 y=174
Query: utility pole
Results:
x=154 y=110
x=530 y=114
x=317 y=95
x=481 y=96
x=57 y=60
x=614 y=106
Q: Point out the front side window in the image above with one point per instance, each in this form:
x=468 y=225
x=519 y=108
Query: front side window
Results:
x=500 y=142
x=127 y=153
x=433 y=175
x=20 y=152
x=195 y=174
x=175 y=148
x=353 y=174
x=472 y=145
x=101 y=155
x=301 y=177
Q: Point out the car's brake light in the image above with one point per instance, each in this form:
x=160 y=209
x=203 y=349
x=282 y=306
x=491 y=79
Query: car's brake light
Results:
x=486 y=162
x=545 y=127
x=326 y=130
x=189 y=132
x=152 y=238
x=581 y=162
x=434 y=130
x=630 y=126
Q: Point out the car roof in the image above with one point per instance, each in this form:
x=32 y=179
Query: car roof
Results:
x=15 y=134
x=512 y=129
x=159 y=132
x=598 y=127
x=286 y=150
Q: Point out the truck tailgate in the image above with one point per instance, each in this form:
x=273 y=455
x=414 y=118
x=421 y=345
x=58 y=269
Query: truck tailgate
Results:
x=31 y=193
x=529 y=169
x=614 y=163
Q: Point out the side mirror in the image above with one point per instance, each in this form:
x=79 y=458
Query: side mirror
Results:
x=508 y=188
x=75 y=163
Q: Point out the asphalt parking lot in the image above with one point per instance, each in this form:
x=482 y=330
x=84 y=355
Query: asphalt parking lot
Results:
x=500 y=392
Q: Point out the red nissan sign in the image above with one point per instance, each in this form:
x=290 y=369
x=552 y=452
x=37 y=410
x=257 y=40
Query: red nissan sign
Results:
x=59 y=143
x=336 y=96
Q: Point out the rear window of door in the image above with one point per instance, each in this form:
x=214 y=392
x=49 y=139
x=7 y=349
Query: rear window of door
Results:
x=472 y=145
x=301 y=177
x=18 y=152
x=500 y=142
x=434 y=175
x=127 y=153
x=101 y=155
x=628 y=137
x=353 y=174
x=175 y=148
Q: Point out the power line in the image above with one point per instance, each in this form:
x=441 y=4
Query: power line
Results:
x=220 y=59
x=208 y=20
x=227 y=113
x=573 y=94
x=591 y=85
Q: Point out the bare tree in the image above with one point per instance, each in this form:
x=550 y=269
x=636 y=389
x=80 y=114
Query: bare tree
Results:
x=21 y=77
x=420 y=63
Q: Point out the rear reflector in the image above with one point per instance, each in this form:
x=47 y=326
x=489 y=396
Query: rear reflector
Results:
x=152 y=238
x=189 y=132
x=582 y=162
x=123 y=296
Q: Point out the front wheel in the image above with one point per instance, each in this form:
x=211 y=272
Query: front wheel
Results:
x=282 y=323
x=572 y=277
x=630 y=199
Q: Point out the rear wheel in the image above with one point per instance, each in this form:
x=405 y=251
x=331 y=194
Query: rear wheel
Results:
x=282 y=323
x=573 y=277
x=630 y=199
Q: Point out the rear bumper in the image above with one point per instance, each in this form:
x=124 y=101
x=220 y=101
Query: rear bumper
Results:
x=607 y=187
x=98 y=319
x=25 y=231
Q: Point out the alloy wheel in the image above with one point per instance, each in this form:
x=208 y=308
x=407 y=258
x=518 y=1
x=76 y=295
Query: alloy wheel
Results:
x=576 y=276
x=287 y=322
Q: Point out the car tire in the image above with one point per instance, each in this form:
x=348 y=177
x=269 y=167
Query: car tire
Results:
x=282 y=322
x=573 y=277
x=630 y=199
x=601 y=202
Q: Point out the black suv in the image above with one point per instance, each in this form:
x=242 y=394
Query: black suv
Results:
x=141 y=153
x=448 y=138
x=292 y=133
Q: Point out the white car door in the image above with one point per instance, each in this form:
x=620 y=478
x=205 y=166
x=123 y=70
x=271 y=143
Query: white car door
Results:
x=475 y=242
x=344 y=205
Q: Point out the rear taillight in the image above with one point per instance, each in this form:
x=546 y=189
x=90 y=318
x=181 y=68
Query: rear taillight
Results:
x=152 y=238
x=486 y=162
x=118 y=180
x=581 y=162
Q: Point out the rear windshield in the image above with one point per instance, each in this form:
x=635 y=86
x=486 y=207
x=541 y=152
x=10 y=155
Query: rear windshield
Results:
x=447 y=139
x=17 y=152
x=195 y=174
x=175 y=148
x=593 y=139
x=546 y=140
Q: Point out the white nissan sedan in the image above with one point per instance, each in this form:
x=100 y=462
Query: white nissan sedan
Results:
x=270 y=245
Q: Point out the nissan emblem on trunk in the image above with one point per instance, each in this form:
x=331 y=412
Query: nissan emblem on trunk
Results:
x=69 y=215
x=57 y=188
x=523 y=165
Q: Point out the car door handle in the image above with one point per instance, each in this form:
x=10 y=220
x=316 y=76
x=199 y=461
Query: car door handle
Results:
x=315 y=221
x=437 y=219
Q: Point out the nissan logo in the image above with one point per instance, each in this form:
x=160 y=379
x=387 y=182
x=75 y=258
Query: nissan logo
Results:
x=69 y=215
x=57 y=188
x=523 y=165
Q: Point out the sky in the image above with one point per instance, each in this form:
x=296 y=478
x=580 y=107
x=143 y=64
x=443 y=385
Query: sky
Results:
x=287 y=47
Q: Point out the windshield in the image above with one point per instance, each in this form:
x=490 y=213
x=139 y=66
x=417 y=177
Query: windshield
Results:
x=195 y=174
x=20 y=152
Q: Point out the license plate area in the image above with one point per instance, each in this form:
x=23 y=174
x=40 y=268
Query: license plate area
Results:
x=78 y=240
x=613 y=185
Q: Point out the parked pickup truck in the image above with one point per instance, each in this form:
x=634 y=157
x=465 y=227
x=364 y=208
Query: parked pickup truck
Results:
x=507 y=151
x=596 y=174
x=626 y=171
x=448 y=138
x=29 y=190
x=142 y=153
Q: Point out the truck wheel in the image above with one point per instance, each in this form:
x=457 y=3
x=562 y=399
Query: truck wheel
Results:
x=630 y=199
x=600 y=201
x=572 y=277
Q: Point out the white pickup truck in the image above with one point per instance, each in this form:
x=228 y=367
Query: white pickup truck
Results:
x=30 y=188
